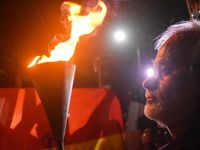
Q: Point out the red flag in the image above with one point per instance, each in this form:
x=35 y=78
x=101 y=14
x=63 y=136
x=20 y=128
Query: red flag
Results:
x=94 y=122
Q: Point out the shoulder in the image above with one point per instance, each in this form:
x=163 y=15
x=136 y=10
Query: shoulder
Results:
x=184 y=143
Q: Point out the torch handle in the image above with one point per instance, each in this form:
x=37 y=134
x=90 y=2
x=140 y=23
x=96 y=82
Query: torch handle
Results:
x=60 y=145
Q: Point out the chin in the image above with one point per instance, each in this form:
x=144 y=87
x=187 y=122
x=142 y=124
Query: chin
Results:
x=154 y=111
x=149 y=111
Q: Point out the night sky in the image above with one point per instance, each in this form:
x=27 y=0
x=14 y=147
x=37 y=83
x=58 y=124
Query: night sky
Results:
x=27 y=28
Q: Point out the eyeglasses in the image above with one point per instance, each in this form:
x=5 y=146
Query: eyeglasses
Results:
x=165 y=69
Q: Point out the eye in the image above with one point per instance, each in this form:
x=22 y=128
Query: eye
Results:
x=165 y=70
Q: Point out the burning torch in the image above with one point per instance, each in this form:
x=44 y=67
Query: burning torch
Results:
x=53 y=76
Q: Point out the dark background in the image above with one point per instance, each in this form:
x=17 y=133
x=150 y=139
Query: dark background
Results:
x=27 y=28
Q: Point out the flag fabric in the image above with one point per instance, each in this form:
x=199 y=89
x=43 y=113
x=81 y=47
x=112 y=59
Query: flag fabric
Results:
x=94 y=121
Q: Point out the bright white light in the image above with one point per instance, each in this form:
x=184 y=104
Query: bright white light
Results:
x=119 y=35
x=150 y=72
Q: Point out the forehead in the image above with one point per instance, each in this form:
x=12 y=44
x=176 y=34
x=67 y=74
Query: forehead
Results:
x=170 y=52
x=163 y=56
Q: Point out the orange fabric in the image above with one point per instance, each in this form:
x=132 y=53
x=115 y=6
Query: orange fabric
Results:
x=94 y=113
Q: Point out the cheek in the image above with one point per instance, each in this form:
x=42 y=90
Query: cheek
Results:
x=174 y=83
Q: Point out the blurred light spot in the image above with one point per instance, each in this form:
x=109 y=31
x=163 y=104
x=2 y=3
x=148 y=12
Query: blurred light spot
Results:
x=150 y=72
x=119 y=35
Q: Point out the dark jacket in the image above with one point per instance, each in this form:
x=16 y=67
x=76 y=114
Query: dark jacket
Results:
x=189 y=140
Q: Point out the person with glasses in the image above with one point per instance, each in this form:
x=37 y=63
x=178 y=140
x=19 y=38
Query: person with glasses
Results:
x=173 y=93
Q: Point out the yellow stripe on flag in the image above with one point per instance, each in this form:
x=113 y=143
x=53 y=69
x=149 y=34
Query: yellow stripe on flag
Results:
x=112 y=142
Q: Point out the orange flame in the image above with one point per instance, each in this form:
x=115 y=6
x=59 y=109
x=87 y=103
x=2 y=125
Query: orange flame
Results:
x=80 y=25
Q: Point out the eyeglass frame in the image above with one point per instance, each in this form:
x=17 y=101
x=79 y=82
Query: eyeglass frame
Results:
x=159 y=72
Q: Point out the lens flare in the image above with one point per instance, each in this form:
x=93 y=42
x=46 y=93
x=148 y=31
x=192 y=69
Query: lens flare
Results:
x=119 y=35
x=150 y=72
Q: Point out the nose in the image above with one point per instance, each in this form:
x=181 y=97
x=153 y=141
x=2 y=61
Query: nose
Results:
x=150 y=84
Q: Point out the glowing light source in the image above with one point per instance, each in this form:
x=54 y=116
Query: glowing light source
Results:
x=119 y=35
x=150 y=72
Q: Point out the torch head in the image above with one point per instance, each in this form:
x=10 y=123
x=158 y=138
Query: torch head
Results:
x=53 y=82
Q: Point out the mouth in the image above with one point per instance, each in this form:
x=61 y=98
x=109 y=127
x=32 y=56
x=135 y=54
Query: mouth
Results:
x=150 y=99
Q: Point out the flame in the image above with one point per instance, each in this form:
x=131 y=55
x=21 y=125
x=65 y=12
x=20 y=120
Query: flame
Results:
x=80 y=25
